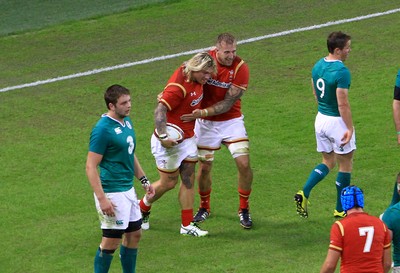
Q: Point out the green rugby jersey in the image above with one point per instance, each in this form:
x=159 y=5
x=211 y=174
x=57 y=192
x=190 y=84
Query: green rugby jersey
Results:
x=398 y=79
x=327 y=77
x=117 y=143
x=391 y=218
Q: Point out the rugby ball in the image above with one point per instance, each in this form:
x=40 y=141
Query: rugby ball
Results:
x=174 y=132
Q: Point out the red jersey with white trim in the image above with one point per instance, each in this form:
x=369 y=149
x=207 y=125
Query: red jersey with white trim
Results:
x=361 y=239
x=216 y=88
x=181 y=97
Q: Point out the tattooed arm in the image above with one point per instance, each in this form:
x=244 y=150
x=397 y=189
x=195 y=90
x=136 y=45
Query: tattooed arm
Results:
x=160 y=119
x=232 y=95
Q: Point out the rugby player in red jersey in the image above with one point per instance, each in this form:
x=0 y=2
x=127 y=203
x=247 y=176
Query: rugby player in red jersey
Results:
x=361 y=241
x=221 y=122
x=182 y=94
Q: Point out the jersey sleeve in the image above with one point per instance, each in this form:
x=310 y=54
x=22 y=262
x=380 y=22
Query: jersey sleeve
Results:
x=391 y=218
x=98 y=140
x=387 y=218
x=336 y=237
x=388 y=238
x=172 y=95
x=242 y=76
x=344 y=78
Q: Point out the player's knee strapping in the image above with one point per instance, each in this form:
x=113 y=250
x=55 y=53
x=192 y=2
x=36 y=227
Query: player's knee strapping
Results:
x=239 y=148
x=206 y=155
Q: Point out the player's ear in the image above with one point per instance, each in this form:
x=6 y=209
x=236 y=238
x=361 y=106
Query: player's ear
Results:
x=336 y=51
x=111 y=106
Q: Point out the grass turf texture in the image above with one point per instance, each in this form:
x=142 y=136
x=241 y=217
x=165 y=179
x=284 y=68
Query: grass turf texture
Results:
x=19 y=16
x=48 y=218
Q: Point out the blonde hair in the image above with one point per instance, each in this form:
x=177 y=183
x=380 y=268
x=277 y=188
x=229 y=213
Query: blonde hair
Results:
x=200 y=61
x=228 y=38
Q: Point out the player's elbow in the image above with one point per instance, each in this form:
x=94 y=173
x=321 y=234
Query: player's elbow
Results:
x=344 y=105
x=387 y=260
x=328 y=268
x=387 y=265
x=90 y=168
x=331 y=267
x=344 y=110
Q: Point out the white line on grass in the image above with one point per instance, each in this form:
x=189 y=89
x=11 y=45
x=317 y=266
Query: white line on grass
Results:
x=110 y=68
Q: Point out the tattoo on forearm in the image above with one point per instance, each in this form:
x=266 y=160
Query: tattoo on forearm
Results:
x=160 y=117
x=233 y=94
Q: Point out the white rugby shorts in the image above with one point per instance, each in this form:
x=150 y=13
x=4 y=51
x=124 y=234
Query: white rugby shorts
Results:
x=170 y=159
x=126 y=210
x=329 y=132
x=210 y=134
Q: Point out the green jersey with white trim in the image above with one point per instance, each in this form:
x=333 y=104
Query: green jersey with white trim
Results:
x=391 y=217
x=116 y=142
x=327 y=77
x=398 y=79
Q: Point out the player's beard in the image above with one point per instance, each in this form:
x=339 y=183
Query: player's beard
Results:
x=122 y=114
x=228 y=62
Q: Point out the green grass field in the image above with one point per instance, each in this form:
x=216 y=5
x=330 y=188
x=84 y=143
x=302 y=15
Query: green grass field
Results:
x=48 y=219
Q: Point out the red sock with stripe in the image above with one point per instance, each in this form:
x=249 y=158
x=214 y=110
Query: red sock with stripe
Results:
x=205 y=199
x=244 y=198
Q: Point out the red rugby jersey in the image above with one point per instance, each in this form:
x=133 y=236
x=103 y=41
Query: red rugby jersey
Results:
x=216 y=88
x=361 y=239
x=181 y=97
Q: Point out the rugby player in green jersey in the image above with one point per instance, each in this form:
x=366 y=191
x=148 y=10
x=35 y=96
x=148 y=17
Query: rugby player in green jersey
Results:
x=334 y=129
x=110 y=167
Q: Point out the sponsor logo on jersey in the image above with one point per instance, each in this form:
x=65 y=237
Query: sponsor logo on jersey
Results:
x=219 y=84
x=196 y=101
x=128 y=124
x=119 y=222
